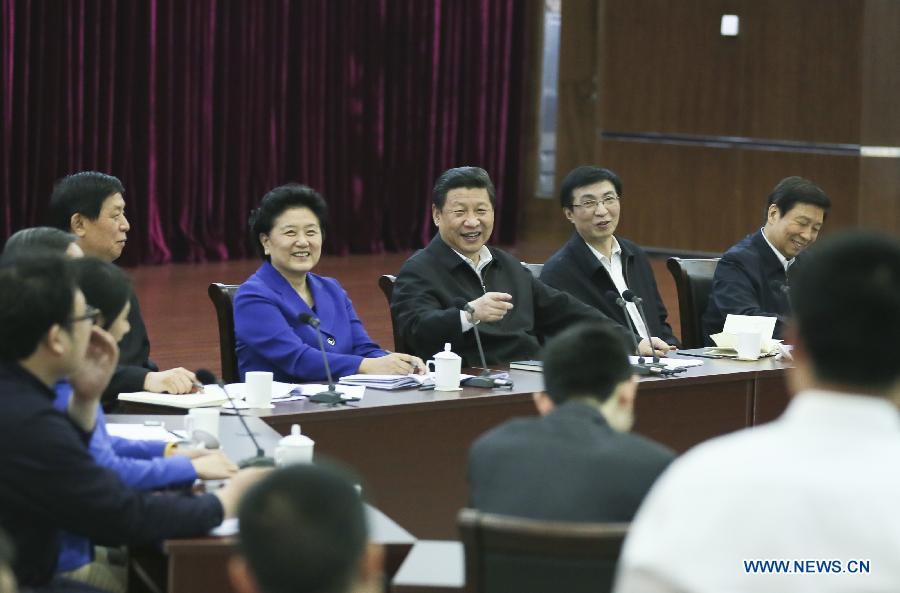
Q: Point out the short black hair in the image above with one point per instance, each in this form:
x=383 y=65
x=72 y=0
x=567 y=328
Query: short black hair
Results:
x=303 y=529
x=587 y=360
x=846 y=303
x=791 y=191
x=105 y=286
x=81 y=193
x=38 y=238
x=36 y=292
x=274 y=204
x=582 y=176
x=465 y=177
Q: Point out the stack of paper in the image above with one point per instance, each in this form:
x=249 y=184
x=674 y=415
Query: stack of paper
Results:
x=387 y=382
x=207 y=398
x=669 y=363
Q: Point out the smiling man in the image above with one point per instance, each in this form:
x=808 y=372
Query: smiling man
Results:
x=752 y=276
x=515 y=309
x=595 y=261
x=91 y=206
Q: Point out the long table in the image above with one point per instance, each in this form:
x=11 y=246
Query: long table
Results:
x=197 y=564
x=411 y=446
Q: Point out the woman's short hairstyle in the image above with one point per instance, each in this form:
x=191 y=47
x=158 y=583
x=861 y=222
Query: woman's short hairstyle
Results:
x=276 y=202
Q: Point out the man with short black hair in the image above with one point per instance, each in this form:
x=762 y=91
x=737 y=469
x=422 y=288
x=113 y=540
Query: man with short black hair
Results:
x=577 y=461
x=303 y=528
x=50 y=481
x=516 y=310
x=752 y=276
x=595 y=262
x=814 y=492
x=91 y=205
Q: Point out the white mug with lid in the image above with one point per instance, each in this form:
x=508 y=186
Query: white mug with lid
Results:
x=294 y=448
x=447 y=367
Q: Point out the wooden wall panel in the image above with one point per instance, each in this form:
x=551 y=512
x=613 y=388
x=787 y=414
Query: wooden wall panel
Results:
x=676 y=195
x=879 y=194
x=881 y=75
x=667 y=69
x=801 y=69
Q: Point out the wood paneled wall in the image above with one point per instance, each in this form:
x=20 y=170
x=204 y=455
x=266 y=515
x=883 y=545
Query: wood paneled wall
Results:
x=700 y=127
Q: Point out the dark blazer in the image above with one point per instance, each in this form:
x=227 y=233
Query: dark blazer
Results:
x=567 y=466
x=749 y=280
x=134 y=360
x=270 y=337
x=576 y=270
x=51 y=483
x=423 y=306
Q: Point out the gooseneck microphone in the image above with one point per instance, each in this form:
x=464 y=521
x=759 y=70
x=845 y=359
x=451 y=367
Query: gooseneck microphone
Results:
x=331 y=395
x=484 y=379
x=629 y=296
x=207 y=377
x=642 y=367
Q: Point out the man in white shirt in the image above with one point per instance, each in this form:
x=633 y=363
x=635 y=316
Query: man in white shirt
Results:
x=752 y=276
x=808 y=502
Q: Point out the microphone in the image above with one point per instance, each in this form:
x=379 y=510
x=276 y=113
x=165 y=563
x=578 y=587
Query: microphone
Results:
x=206 y=377
x=484 y=379
x=329 y=396
x=642 y=367
x=629 y=296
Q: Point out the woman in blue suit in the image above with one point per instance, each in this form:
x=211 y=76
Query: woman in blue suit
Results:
x=289 y=228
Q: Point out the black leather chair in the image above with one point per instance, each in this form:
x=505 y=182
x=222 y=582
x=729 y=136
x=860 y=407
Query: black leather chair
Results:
x=386 y=284
x=222 y=297
x=535 y=269
x=693 y=282
x=513 y=555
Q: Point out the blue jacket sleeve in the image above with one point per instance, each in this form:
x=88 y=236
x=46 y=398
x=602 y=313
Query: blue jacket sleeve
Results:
x=143 y=474
x=137 y=449
x=362 y=343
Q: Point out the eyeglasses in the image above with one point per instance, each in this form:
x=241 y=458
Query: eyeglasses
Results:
x=608 y=201
x=90 y=313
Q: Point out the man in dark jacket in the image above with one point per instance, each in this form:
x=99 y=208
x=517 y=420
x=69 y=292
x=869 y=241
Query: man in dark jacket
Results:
x=516 y=310
x=91 y=205
x=577 y=461
x=752 y=277
x=595 y=262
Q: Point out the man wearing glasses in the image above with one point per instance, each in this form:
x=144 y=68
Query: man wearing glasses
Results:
x=595 y=261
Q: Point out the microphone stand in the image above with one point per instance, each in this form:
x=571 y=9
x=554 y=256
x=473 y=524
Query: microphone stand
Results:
x=642 y=368
x=484 y=379
x=258 y=460
x=330 y=395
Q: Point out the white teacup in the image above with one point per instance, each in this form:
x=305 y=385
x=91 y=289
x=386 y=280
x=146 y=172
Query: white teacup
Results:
x=446 y=367
x=749 y=345
x=206 y=419
x=258 y=385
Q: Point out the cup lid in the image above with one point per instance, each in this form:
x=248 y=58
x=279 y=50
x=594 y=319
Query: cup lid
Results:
x=447 y=354
x=295 y=439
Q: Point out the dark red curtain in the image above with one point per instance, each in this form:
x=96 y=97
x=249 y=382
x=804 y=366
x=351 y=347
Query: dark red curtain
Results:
x=201 y=106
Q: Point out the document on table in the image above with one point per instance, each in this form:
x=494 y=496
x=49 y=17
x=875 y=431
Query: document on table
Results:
x=141 y=432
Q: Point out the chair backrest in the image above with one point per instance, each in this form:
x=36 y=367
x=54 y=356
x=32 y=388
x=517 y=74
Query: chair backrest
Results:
x=535 y=269
x=693 y=281
x=514 y=555
x=386 y=284
x=222 y=297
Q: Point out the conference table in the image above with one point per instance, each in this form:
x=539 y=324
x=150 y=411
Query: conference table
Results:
x=411 y=446
x=191 y=565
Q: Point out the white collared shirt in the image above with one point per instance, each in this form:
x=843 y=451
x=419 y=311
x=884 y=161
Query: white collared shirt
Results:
x=484 y=258
x=821 y=483
x=784 y=261
x=613 y=267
